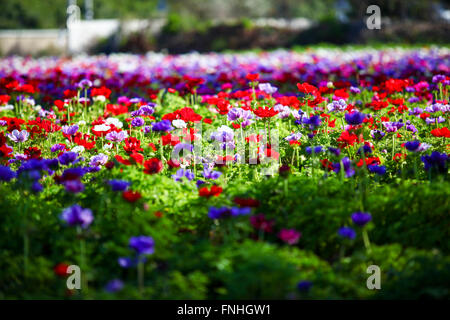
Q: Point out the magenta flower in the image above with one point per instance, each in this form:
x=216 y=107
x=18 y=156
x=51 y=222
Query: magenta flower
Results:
x=290 y=236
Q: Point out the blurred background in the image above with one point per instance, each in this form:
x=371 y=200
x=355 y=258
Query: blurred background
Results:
x=66 y=27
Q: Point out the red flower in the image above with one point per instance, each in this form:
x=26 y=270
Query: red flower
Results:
x=346 y=139
x=4 y=99
x=260 y=222
x=307 y=88
x=173 y=163
x=442 y=132
x=61 y=269
x=265 y=112
x=116 y=109
x=185 y=114
x=252 y=76
x=33 y=153
x=327 y=164
x=131 y=196
x=13 y=123
x=246 y=202
x=5 y=151
x=399 y=156
x=205 y=192
x=26 y=88
x=102 y=91
x=369 y=161
x=85 y=140
x=132 y=144
x=134 y=158
x=153 y=166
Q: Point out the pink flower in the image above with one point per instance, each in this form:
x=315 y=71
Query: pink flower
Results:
x=290 y=236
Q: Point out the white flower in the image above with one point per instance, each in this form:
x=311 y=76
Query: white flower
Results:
x=78 y=149
x=99 y=98
x=81 y=123
x=7 y=107
x=107 y=146
x=102 y=127
x=178 y=123
x=114 y=121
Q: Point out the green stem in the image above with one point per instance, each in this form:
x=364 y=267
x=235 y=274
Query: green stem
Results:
x=140 y=275
x=366 y=240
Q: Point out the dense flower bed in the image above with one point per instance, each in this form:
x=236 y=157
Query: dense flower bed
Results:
x=271 y=175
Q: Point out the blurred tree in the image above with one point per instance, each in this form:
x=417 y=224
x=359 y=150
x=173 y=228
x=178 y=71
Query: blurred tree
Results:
x=16 y=14
x=400 y=9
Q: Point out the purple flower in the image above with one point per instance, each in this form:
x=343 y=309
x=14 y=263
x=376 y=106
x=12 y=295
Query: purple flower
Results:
x=349 y=171
x=411 y=127
x=183 y=173
x=317 y=149
x=393 y=126
x=361 y=218
x=126 y=262
x=225 y=212
x=347 y=232
x=189 y=174
x=143 y=245
x=36 y=187
x=18 y=136
x=77 y=216
x=335 y=151
x=374 y=168
x=437 y=120
x=146 y=110
x=74 y=186
x=137 y=122
x=70 y=130
x=435 y=160
x=6 y=174
x=311 y=123
x=413 y=100
x=73 y=173
x=115 y=136
x=416 y=111
x=57 y=147
x=210 y=174
x=434 y=108
x=119 y=185
x=304 y=286
x=164 y=125
x=293 y=137
x=67 y=158
x=84 y=84
x=234 y=114
x=355 y=90
x=182 y=146
x=438 y=78
x=267 y=88
x=98 y=160
x=354 y=118
x=367 y=149
x=377 y=134
x=223 y=134
x=114 y=285
x=412 y=145
x=339 y=105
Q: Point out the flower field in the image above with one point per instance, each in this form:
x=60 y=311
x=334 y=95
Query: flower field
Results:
x=272 y=175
